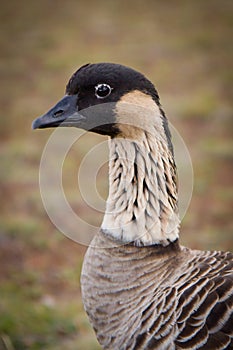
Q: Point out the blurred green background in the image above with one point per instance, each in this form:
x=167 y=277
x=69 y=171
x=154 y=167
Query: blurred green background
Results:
x=185 y=48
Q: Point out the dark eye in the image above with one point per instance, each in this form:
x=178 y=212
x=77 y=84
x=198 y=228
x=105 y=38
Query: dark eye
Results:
x=102 y=90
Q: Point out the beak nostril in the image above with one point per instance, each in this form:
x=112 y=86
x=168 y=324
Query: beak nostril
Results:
x=58 y=113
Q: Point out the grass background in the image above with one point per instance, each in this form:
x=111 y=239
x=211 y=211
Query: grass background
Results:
x=185 y=48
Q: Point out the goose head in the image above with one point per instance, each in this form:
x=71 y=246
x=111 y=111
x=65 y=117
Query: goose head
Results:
x=104 y=98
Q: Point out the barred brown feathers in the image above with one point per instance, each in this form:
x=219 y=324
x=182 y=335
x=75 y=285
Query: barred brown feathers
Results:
x=158 y=298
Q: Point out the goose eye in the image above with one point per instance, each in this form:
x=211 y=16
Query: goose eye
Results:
x=102 y=90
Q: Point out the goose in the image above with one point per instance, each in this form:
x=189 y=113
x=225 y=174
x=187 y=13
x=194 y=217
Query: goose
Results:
x=141 y=288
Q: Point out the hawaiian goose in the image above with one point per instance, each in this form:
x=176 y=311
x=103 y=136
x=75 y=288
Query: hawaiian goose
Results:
x=141 y=289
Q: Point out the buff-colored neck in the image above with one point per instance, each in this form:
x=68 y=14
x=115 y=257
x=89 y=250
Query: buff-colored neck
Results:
x=142 y=203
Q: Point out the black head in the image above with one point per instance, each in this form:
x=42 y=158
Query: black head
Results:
x=120 y=78
x=91 y=96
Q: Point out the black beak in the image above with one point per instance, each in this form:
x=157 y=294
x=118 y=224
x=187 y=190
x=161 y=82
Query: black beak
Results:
x=64 y=113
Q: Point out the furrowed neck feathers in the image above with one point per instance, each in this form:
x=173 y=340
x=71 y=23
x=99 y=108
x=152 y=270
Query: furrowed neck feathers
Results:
x=142 y=204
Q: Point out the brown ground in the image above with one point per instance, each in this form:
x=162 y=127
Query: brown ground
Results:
x=185 y=48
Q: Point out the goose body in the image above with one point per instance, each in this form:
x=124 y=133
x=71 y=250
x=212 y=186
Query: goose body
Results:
x=158 y=298
x=141 y=289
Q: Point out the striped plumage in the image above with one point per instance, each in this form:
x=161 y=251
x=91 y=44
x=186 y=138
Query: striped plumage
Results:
x=158 y=298
x=141 y=289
